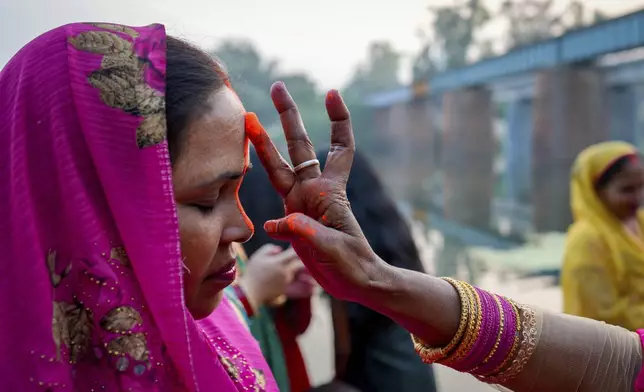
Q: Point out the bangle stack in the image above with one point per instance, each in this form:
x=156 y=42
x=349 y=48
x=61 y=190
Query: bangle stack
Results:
x=495 y=338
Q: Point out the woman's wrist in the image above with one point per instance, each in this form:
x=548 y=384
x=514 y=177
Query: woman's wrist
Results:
x=426 y=306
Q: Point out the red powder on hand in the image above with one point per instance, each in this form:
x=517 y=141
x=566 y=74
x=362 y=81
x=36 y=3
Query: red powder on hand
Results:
x=253 y=127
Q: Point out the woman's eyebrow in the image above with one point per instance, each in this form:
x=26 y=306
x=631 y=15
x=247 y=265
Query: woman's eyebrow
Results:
x=227 y=175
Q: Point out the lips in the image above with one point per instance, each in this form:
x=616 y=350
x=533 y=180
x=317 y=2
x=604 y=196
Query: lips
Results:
x=227 y=273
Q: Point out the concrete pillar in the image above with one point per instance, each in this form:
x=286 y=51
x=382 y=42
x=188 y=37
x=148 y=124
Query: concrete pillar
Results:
x=468 y=152
x=419 y=159
x=519 y=150
x=569 y=115
x=622 y=113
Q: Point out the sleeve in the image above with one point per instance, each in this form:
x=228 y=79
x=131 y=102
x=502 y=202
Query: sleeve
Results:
x=575 y=354
x=297 y=315
x=589 y=282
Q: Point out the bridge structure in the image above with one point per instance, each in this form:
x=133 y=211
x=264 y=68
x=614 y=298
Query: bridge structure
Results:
x=553 y=98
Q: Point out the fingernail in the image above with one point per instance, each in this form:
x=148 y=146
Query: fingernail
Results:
x=332 y=95
x=270 y=226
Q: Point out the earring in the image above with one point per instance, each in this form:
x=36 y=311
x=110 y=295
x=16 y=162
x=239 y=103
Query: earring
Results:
x=185 y=267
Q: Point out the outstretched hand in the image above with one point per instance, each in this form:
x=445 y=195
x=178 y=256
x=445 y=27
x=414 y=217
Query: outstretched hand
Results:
x=318 y=222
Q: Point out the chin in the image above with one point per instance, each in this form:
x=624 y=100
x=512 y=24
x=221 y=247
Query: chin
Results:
x=200 y=308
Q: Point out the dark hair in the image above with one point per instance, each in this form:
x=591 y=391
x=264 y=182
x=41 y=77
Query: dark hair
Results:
x=382 y=223
x=192 y=76
x=261 y=203
x=613 y=170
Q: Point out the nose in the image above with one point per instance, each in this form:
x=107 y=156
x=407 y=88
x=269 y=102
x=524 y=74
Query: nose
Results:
x=240 y=228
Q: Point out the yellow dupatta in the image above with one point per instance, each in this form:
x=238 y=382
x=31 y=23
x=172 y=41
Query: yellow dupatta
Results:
x=603 y=269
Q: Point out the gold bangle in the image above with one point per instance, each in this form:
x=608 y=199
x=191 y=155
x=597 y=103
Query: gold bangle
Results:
x=473 y=330
x=430 y=354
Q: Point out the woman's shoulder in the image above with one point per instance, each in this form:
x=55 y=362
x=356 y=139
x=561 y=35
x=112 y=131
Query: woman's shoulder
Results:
x=583 y=233
x=583 y=240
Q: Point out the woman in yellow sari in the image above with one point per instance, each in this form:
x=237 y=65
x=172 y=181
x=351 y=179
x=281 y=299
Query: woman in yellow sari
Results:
x=603 y=270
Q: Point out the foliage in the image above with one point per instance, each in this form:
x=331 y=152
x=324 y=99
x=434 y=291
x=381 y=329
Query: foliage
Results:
x=252 y=76
x=377 y=73
x=451 y=36
x=530 y=21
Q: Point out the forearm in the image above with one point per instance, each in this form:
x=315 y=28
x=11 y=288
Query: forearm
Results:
x=554 y=355
x=426 y=306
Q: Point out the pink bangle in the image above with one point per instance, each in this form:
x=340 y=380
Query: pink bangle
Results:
x=487 y=332
x=508 y=339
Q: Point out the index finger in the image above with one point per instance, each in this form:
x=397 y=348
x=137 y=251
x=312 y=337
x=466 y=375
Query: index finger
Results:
x=279 y=171
x=340 y=157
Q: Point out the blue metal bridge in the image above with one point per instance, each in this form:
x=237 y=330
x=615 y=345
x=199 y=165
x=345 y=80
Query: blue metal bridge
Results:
x=610 y=46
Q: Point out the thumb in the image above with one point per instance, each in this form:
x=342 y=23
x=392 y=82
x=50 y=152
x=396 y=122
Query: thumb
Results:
x=300 y=227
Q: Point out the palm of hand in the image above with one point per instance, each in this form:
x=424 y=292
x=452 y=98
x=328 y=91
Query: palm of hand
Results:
x=319 y=222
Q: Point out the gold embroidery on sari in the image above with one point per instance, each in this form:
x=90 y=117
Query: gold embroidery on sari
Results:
x=122 y=84
x=121 y=320
x=118 y=253
x=134 y=345
x=118 y=28
x=230 y=367
x=54 y=277
x=260 y=380
x=71 y=322
x=72 y=326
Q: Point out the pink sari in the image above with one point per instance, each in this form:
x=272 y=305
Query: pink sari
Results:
x=92 y=279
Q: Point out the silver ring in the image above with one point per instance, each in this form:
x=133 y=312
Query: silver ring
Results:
x=305 y=164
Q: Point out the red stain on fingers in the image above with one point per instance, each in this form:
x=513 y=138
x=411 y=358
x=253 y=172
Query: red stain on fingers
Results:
x=254 y=128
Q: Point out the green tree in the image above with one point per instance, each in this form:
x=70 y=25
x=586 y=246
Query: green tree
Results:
x=252 y=75
x=530 y=21
x=378 y=72
x=451 y=36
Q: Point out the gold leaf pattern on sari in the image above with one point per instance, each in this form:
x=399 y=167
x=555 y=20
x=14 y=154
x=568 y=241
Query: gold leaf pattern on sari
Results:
x=121 y=319
x=121 y=81
x=134 y=345
x=152 y=130
x=230 y=367
x=114 y=27
x=119 y=254
x=72 y=326
x=55 y=277
x=121 y=60
x=260 y=380
x=101 y=42
x=51 y=266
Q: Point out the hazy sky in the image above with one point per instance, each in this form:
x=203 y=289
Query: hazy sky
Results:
x=324 y=38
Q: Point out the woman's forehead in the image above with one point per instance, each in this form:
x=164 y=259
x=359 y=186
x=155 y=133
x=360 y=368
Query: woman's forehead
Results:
x=216 y=142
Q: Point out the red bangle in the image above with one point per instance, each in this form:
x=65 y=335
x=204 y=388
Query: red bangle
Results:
x=244 y=301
